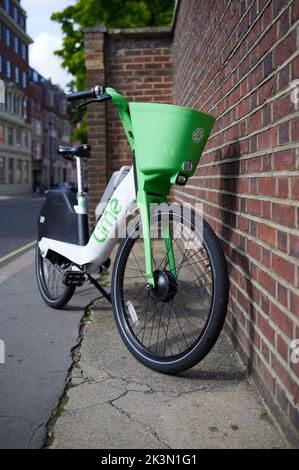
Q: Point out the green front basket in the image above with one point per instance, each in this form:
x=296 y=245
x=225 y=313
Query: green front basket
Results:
x=169 y=139
x=168 y=143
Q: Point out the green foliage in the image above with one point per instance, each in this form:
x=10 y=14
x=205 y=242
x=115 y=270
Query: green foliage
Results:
x=112 y=13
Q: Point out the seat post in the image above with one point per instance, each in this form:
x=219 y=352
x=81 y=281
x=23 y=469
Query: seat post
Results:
x=79 y=175
x=81 y=207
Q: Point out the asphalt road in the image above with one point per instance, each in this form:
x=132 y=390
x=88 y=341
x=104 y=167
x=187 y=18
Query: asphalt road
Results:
x=18 y=218
x=38 y=340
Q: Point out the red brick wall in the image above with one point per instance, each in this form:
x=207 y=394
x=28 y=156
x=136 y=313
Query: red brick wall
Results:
x=96 y=117
x=235 y=60
x=140 y=68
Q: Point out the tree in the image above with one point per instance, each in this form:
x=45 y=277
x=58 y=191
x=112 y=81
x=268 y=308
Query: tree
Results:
x=112 y=13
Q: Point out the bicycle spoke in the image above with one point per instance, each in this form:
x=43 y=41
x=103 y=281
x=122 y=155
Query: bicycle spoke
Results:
x=168 y=328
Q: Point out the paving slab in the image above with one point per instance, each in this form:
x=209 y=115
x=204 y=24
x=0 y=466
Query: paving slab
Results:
x=115 y=402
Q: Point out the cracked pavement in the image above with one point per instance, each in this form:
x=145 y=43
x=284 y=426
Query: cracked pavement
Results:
x=115 y=402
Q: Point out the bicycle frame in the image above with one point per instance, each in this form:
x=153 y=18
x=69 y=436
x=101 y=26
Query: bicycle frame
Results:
x=130 y=193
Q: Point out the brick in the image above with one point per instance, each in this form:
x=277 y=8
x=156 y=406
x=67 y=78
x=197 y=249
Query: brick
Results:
x=283 y=268
x=278 y=5
x=267 y=234
x=267 y=378
x=281 y=320
x=254 y=207
x=267 y=115
x=294 y=246
x=282 y=294
x=295 y=187
x=295 y=130
x=283 y=187
x=281 y=369
x=266 y=257
x=255 y=121
x=284 y=160
x=284 y=133
x=282 y=348
x=267 y=41
x=266 y=329
x=282 y=107
x=294 y=304
x=254 y=249
x=284 y=77
x=294 y=413
x=266 y=186
x=267 y=90
x=282 y=398
x=295 y=68
x=285 y=49
x=266 y=281
x=284 y=214
x=282 y=241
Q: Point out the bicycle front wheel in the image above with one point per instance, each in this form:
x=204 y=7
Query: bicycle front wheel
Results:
x=171 y=330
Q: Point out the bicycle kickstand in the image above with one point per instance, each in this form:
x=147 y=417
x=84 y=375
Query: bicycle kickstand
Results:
x=100 y=288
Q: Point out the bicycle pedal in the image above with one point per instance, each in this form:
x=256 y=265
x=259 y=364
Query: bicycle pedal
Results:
x=73 y=278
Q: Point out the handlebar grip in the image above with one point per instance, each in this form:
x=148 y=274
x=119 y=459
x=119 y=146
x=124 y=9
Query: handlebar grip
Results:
x=82 y=95
x=94 y=92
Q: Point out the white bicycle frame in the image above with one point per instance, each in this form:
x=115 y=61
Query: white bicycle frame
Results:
x=107 y=229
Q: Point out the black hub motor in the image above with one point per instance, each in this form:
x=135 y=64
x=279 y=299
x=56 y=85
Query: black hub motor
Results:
x=165 y=286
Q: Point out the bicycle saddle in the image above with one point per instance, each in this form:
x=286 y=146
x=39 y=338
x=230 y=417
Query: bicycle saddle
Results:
x=69 y=152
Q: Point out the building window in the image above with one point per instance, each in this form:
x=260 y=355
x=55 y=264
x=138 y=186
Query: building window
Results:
x=26 y=140
x=0 y=29
x=19 y=172
x=18 y=137
x=7 y=6
x=24 y=80
x=8 y=37
x=26 y=172
x=11 y=178
x=18 y=105
x=25 y=106
x=22 y=22
x=2 y=170
x=24 y=51
x=1 y=134
x=17 y=75
x=1 y=63
x=16 y=45
x=15 y=14
x=9 y=102
x=8 y=69
x=10 y=139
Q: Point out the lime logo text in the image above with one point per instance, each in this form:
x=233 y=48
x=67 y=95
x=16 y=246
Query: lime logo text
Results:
x=107 y=220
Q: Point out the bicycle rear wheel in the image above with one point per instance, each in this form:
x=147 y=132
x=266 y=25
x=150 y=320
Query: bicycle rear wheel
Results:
x=49 y=274
x=174 y=331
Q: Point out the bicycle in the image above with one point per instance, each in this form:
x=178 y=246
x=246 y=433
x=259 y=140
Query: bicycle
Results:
x=169 y=286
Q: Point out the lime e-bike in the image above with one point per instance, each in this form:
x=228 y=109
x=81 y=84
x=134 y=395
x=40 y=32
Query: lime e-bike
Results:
x=169 y=285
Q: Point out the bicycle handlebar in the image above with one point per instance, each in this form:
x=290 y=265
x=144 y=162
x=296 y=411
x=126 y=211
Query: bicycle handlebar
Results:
x=94 y=92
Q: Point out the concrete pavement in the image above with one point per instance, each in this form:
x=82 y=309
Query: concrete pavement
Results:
x=114 y=402
x=38 y=342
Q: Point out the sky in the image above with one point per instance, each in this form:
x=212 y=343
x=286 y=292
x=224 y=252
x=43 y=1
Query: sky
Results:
x=47 y=38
